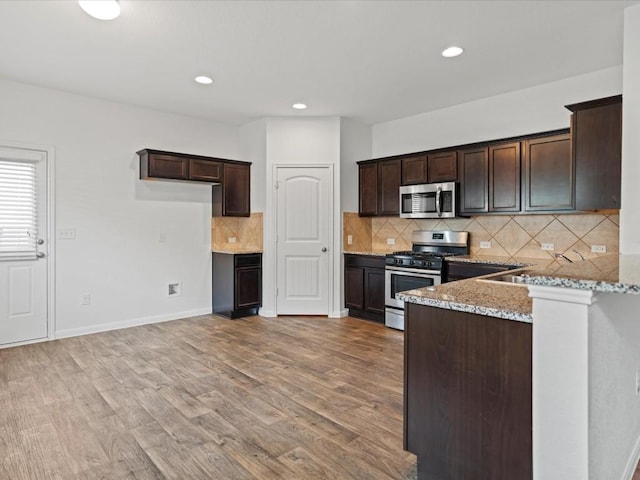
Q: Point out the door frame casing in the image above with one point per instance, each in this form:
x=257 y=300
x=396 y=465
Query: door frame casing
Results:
x=51 y=237
x=272 y=245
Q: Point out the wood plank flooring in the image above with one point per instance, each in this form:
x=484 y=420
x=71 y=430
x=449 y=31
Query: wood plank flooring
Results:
x=300 y=398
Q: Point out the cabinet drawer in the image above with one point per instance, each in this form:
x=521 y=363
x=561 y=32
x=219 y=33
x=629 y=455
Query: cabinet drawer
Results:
x=363 y=261
x=248 y=260
x=460 y=270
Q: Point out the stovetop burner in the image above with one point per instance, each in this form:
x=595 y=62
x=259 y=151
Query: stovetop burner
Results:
x=429 y=250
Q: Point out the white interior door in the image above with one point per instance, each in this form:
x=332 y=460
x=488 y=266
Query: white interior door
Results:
x=303 y=209
x=23 y=245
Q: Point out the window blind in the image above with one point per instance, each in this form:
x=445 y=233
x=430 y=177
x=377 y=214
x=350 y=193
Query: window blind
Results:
x=18 y=210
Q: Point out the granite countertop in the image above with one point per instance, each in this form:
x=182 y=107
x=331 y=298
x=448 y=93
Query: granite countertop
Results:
x=236 y=252
x=509 y=301
x=609 y=273
x=372 y=254
x=495 y=260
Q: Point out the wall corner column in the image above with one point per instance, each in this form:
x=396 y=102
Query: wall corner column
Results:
x=560 y=382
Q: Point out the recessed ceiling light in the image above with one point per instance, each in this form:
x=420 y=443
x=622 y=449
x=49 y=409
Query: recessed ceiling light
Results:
x=101 y=9
x=452 y=52
x=204 y=80
x=299 y=106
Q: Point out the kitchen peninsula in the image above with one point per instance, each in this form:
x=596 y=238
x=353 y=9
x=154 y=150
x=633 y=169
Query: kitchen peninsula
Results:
x=487 y=396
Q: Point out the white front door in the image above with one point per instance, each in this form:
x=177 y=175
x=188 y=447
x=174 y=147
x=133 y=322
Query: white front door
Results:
x=23 y=245
x=303 y=206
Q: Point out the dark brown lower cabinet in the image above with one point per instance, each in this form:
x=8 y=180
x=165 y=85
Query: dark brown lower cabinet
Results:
x=364 y=286
x=237 y=284
x=467 y=402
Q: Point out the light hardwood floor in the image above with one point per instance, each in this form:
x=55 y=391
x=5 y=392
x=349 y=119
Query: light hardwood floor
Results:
x=303 y=398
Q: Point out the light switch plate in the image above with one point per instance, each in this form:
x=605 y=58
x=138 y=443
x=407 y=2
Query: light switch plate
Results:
x=391 y=241
x=485 y=244
x=598 y=248
x=349 y=239
x=548 y=246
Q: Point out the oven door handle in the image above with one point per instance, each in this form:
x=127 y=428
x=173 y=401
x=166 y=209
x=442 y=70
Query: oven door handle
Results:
x=412 y=272
x=438 y=209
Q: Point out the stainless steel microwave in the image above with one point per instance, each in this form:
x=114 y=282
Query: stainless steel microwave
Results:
x=429 y=200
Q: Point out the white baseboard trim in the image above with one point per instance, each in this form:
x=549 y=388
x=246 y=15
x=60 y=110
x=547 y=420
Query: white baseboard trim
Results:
x=267 y=313
x=339 y=313
x=134 y=322
x=633 y=461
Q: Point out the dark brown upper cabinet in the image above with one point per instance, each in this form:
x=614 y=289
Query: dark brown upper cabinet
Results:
x=206 y=171
x=233 y=197
x=504 y=177
x=159 y=165
x=389 y=176
x=414 y=170
x=379 y=188
x=230 y=178
x=442 y=167
x=368 y=189
x=548 y=174
x=474 y=181
x=596 y=132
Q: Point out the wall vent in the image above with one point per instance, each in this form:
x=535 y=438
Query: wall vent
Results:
x=174 y=289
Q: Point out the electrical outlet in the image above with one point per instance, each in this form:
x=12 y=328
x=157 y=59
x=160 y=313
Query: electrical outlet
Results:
x=66 y=234
x=232 y=239
x=485 y=244
x=637 y=382
x=548 y=246
x=86 y=299
x=391 y=241
x=349 y=239
x=598 y=248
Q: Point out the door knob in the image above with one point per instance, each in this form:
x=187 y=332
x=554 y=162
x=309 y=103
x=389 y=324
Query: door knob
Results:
x=324 y=249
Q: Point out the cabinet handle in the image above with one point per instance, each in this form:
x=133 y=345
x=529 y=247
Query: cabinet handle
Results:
x=324 y=249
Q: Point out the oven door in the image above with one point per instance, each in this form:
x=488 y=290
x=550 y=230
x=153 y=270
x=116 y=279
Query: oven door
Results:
x=398 y=279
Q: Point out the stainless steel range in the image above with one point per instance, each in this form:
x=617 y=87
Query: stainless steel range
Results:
x=420 y=267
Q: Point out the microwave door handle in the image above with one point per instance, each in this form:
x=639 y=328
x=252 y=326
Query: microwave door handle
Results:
x=438 y=209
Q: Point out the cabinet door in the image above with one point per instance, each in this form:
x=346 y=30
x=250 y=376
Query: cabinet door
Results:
x=168 y=166
x=368 y=189
x=204 y=170
x=442 y=167
x=414 y=170
x=389 y=176
x=597 y=145
x=354 y=287
x=504 y=177
x=248 y=287
x=236 y=190
x=374 y=290
x=474 y=181
x=548 y=174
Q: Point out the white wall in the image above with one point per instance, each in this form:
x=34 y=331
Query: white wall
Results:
x=252 y=139
x=304 y=140
x=117 y=257
x=531 y=110
x=614 y=407
x=355 y=145
x=629 y=215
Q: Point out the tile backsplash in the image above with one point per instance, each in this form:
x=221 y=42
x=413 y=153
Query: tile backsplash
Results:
x=247 y=232
x=509 y=235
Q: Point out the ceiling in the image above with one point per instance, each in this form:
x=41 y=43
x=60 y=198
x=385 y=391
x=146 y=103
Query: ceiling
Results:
x=370 y=60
